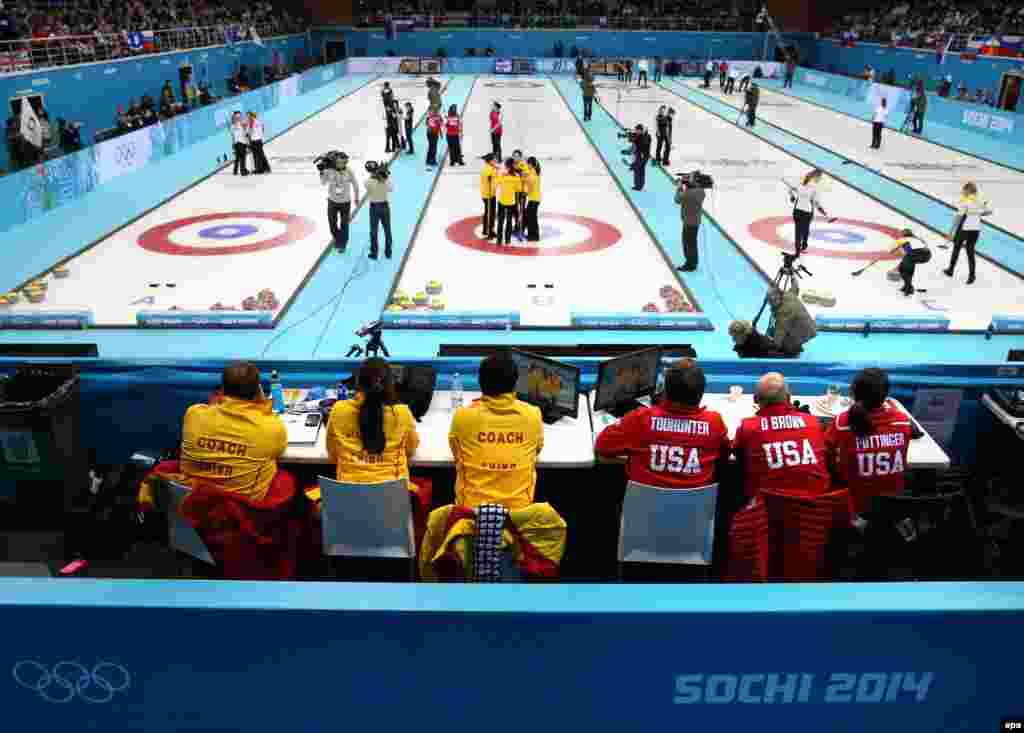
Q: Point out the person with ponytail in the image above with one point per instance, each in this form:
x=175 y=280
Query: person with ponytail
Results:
x=967 y=228
x=867 y=445
x=805 y=200
x=371 y=437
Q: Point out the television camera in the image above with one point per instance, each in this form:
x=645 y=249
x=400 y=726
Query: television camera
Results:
x=380 y=170
x=695 y=179
x=332 y=159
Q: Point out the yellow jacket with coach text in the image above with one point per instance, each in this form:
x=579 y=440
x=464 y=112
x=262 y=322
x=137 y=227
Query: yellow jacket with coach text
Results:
x=496 y=441
x=487 y=177
x=233 y=445
x=345 y=444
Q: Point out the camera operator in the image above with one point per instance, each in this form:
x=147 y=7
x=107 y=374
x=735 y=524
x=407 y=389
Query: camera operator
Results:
x=589 y=90
x=753 y=96
x=690 y=197
x=794 y=325
x=335 y=174
x=641 y=140
x=750 y=343
x=664 y=135
x=378 y=187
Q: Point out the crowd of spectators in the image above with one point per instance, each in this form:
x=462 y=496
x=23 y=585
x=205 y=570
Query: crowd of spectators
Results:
x=22 y=19
x=668 y=15
x=929 y=23
x=945 y=86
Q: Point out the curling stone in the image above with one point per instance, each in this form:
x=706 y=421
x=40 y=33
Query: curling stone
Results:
x=434 y=287
x=823 y=298
x=35 y=296
x=61 y=271
x=420 y=299
x=894 y=275
x=437 y=303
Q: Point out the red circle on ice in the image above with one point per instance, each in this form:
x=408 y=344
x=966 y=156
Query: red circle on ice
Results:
x=158 y=239
x=767 y=230
x=602 y=236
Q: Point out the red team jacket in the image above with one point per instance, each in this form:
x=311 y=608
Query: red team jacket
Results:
x=671 y=447
x=783 y=450
x=434 y=124
x=496 y=123
x=873 y=465
x=453 y=127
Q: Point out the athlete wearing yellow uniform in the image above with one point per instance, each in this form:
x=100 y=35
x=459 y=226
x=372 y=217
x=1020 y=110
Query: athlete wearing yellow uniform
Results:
x=488 y=176
x=496 y=441
x=510 y=185
x=532 y=199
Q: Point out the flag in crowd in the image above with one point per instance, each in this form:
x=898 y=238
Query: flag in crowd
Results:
x=31 y=130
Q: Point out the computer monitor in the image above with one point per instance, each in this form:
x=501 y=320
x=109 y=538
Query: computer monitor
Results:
x=553 y=386
x=625 y=379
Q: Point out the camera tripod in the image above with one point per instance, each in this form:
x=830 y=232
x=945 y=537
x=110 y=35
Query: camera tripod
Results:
x=786 y=278
x=373 y=347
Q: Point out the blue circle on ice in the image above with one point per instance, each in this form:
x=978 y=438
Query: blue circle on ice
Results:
x=228 y=231
x=837 y=236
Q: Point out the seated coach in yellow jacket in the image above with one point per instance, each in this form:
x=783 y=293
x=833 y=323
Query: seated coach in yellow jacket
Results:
x=372 y=437
x=234 y=445
x=496 y=441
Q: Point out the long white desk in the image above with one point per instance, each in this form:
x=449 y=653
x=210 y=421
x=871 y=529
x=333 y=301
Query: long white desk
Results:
x=922 y=453
x=568 y=443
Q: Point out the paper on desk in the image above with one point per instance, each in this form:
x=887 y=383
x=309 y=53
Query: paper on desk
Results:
x=298 y=432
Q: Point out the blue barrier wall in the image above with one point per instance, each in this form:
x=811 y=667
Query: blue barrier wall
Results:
x=36 y=192
x=974 y=119
x=520 y=43
x=984 y=72
x=214 y=656
x=90 y=93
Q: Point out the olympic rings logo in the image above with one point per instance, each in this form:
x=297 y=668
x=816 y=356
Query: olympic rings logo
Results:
x=70 y=680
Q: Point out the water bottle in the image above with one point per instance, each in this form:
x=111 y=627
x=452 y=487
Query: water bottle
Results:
x=342 y=390
x=276 y=393
x=456 y=391
x=659 y=390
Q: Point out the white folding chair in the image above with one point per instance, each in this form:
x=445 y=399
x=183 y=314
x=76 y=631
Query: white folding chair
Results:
x=181 y=535
x=367 y=520
x=667 y=526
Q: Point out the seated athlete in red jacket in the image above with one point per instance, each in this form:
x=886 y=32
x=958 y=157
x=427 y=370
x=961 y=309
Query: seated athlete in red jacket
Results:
x=781 y=448
x=676 y=443
x=867 y=444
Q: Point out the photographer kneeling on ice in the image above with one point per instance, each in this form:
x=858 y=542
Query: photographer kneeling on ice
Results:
x=792 y=327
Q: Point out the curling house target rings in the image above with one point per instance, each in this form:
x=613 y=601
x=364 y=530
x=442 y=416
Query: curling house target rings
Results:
x=228 y=226
x=601 y=236
x=840 y=232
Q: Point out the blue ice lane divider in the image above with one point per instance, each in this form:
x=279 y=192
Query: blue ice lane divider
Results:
x=69 y=319
x=643 y=321
x=469 y=320
x=1002 y=323
x=204 y=319
x=883 y=322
